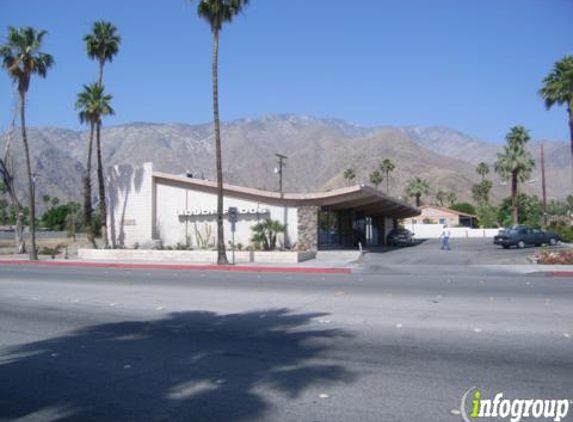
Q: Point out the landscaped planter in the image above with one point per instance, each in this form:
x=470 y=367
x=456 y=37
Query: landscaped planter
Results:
x=198 y=256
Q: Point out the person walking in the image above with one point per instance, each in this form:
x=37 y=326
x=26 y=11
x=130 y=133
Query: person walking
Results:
x=445 y=238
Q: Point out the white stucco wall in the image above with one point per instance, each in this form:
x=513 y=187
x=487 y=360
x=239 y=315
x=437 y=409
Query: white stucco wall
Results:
x=130 y=199
x=143 y=208
x=172 y=199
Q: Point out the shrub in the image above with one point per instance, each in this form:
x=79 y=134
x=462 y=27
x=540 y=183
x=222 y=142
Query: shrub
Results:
x=555 y=257
x=564 y=231
x=182 y=247
x=265 y=234
x=51 y=251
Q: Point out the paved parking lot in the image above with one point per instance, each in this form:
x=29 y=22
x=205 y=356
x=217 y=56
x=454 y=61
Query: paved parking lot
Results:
x=465 y=252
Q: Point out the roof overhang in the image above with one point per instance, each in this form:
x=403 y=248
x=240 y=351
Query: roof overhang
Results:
x=359 y=198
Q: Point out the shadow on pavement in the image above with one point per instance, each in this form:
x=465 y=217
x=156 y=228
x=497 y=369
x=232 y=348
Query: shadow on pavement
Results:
x=191 y=366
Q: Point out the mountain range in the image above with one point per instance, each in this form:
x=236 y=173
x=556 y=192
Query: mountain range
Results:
x=318 y=152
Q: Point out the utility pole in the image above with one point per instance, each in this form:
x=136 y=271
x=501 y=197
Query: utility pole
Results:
x=544 y=192
x=282 y=159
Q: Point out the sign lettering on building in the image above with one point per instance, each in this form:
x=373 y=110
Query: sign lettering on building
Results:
x=196 y=212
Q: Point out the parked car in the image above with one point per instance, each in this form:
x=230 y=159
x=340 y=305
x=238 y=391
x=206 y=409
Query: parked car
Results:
x=400 y=237
x=521 y=236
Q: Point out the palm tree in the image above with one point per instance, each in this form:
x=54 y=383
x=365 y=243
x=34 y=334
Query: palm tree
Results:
x=441 y=196
x=376 y=178
x=349 y=175
x=93 y=105
x=386 y=167
x=482 y=169
x=22 y=57
x=417 y=187
x=558 y=89
x=480 y=192
x=102 y=44
x=216 y=13
x=515 y=163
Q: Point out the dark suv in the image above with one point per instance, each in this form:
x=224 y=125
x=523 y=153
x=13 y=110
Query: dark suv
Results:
x=521 y=236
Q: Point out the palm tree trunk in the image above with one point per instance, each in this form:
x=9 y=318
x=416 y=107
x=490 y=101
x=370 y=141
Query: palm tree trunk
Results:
x=100 y=76
x=19 y=232
x=88 y=190
x=418 y=201
x=514 y=199
x=570 y=112
x=33 y=250
x=102 y=202
x=221 y=256
x=387 y=189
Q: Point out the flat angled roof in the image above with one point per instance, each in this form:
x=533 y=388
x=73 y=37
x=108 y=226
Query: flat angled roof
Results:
x=358 y=198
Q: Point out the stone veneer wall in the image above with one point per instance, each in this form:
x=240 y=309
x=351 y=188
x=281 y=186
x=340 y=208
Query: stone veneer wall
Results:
x=307 y=217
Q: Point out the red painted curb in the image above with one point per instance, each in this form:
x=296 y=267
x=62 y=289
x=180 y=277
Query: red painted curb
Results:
x=182 y=267
x=561 y=273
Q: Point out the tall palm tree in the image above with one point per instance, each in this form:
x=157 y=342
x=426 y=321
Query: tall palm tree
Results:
x=93 y=104
x=22 y=58
x=102 y=45
x=515 y=163
x=482 y=169
x=558 y=89
x=387 y=166
x=217 y=13
x=376 y=178
x=349 y=175
x=417 y=187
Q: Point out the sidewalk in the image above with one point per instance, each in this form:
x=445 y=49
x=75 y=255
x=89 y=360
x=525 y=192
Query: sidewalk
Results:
x=324 y=266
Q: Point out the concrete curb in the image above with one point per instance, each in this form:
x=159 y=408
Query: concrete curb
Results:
x=319 y=270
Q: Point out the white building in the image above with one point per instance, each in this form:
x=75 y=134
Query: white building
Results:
x=146 y=207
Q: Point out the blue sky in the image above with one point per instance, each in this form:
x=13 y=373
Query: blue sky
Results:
x=473 y=65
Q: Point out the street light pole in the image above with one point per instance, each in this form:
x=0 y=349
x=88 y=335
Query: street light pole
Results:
x=282 y=159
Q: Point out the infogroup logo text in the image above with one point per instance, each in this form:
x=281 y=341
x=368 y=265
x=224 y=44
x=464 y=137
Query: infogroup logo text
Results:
x=513 y=409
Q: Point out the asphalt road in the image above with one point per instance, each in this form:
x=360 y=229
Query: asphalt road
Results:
x=132 y=345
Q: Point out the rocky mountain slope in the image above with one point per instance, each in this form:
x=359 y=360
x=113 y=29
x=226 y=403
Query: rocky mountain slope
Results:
x=318 y=151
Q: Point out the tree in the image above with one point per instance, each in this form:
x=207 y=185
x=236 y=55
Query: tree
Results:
x=558 y=89
x=386 y=167
x=46 y=198
x=416 y=188
x=530 y=211
x=441 y=196
x=7 y=175
x=515 y=163
x=349 y=175
x=93 y=103
x=102 y=45
x=22 y=57
x=451 y=197
x=216 y=13
x=482 y=169
x=464 y=207
x=55 y=201
x=376 y=178
x=480 y=192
